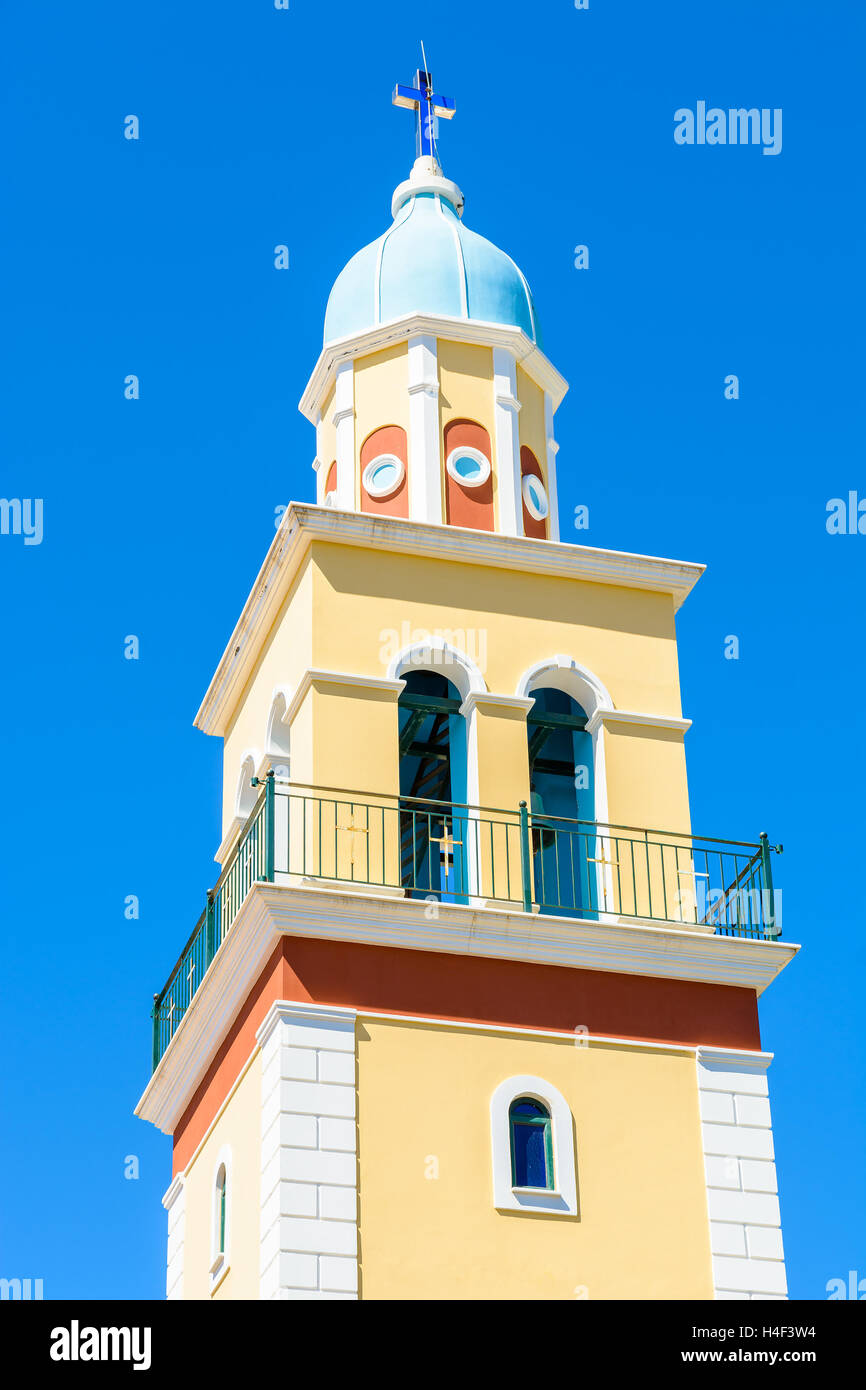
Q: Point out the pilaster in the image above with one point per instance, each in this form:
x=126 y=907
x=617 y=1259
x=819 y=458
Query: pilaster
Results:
x=505 y=411
x=344 y=421
x=425 y=461
x=552 y=451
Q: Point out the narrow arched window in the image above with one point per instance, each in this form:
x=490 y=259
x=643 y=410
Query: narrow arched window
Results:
x=531 y=1144
x=221 y=1210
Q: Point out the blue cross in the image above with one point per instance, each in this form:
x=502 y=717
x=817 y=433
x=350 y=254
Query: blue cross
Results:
x=428 y=104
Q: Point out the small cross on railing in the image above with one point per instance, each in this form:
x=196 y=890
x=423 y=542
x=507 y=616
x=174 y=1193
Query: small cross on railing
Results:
x=446 y=844
x=606 y=864
x=355 y=830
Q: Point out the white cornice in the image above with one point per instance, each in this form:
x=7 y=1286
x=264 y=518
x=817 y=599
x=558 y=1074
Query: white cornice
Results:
x=269 y=912
x=283 y=1011
x=512 y=705
x=624 y=716
x=726 y=1057
x=315 y=676
x=530 y=357
x=173 y=1191
x=302 y=524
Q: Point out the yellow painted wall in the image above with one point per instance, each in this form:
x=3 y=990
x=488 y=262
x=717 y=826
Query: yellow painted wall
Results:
x=531 y=418
x=352 y=609
x=646 y=777
x=424 y=1106
x=355 y=737
x=466 y=393
x=503 y=768
x=285 y=655
x=381 y=397
x=239 y=1127
x=626 y=636
x=327 y=437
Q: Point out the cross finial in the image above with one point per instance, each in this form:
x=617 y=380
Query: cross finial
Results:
x=428 y=104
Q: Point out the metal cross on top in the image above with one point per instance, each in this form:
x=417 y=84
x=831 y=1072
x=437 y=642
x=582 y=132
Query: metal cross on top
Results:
x=428 y=104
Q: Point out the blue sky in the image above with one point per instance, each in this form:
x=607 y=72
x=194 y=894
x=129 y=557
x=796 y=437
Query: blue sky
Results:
x=155 y=257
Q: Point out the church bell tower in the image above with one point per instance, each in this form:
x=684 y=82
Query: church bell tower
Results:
x=470 y=1011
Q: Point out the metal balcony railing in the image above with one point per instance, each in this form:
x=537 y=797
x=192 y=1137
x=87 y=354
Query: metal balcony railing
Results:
x=477 y=856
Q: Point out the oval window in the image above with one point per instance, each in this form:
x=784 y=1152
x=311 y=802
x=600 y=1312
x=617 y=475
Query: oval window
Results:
x=383 y=475
x=469 y=467
x=534 y=496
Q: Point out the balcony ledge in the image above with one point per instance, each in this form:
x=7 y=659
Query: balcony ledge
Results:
x=269 y=911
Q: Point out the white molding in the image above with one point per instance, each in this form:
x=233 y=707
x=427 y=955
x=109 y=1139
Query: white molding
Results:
x=507 y=433
x=552 y=451
x=426 y=177
x=649 y=721
x=442 y=326
x=529 y=502
x=563 y=1200
x=497 y=703
x=280 y=698
x=315 y=675
x=665 y=951
x=434 y=653
x=304 y=524
x=425 y=467
x=221 y=1260
x=745 y=1226
x=462 y=450
x=245 y=795
x=229 y=839
x=174 y=1202
x=366 y=477
x=317 y=1015
x=344 y=422
x=309 y=1166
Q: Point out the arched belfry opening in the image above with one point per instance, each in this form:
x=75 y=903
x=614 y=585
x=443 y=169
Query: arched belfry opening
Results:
x=562 y=791
x=432 y=788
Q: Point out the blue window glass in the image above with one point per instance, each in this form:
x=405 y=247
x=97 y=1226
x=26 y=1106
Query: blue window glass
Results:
x=383 y=475
x=531 y=1144
x=468 y=467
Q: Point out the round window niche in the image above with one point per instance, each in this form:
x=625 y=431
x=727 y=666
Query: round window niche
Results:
x=469 y=467
x=534 y=496
x=383 y=475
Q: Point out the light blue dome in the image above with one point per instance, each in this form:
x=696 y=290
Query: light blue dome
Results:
x=429 y=263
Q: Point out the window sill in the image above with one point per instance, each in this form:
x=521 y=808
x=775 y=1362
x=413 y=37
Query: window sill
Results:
x=535 y=1200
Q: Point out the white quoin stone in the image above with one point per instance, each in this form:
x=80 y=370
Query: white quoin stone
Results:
x=309 y=1177
x=742 y=1206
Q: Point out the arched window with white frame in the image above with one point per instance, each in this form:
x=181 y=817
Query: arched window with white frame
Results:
x=533 y=1149
x=221 y=1216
